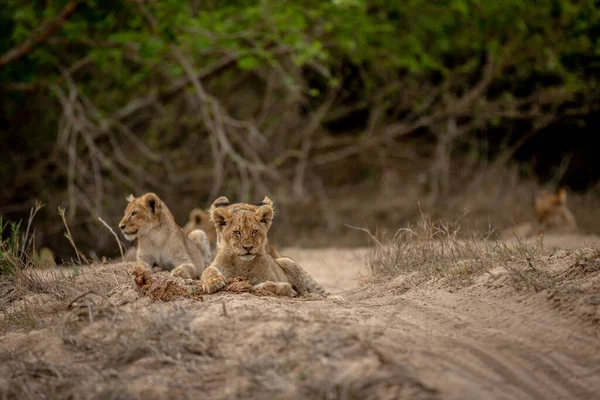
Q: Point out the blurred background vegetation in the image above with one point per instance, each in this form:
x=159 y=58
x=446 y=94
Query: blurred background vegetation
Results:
x=343 y=111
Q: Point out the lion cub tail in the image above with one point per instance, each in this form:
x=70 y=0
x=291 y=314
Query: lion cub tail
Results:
x=301 y=281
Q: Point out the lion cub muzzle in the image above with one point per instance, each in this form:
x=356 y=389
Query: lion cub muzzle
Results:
x=247 y=254
x=129 y=237
x=129 y=234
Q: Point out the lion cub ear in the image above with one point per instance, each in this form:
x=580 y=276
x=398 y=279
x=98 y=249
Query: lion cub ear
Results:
x=221 y=217
x=220 y=202
x=266 y=202
x=265 y=215
x=152 y=201
x=197 y=216
x=130 y=198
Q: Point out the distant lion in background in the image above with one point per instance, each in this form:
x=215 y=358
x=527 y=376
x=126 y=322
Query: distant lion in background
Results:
x=199 y=219
x=552 y=216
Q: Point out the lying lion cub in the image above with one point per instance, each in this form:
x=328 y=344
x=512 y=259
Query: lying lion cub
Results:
x=161 y=241
x=198 y=219
x=242 y=237
x=237 y=207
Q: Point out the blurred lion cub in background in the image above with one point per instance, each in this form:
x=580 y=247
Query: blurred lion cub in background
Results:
x=199 y=219
x=552 y=214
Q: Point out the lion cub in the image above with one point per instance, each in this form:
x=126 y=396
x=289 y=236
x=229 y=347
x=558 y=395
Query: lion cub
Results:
x=552 y=214
x=241 y=207
x=161 y=241
x=199 y=219
x=242 y=236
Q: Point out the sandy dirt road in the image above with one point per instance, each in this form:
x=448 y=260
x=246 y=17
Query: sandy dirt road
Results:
x=480 y=342
x=484 y=341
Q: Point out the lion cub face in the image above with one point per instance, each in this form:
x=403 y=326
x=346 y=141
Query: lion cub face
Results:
x=141 y=215
x=243 y=232
x=551 y=207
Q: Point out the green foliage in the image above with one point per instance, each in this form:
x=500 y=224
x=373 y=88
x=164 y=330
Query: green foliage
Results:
x=417 y=37
x=16 y=248
x=11 y=243
x=264 y=60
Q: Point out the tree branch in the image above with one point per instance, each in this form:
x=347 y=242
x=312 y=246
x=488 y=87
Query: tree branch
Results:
x=41 y=33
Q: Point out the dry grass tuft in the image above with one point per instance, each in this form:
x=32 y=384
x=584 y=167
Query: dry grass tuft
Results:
x=159 y=287
x=577 y=290
x=584 y=266
x=32 y=297
x=434 y=251
x=238 y=285
x=84 y=358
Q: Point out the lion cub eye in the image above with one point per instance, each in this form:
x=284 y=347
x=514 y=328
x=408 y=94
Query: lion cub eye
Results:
x=237 y=233
x=133 y=213
x=255 y=232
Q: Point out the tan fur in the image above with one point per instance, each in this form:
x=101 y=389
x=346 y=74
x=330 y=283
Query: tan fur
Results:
x=130 y=254
x=161 y=241
x=301 y=281
x=552 y=215
x=243 y=253
x=240 y=207
x=199 y=219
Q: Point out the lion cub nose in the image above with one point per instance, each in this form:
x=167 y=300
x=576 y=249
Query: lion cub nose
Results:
x=248 y=248
x=122 y=226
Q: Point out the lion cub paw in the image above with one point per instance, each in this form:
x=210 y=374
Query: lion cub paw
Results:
x=278 y=288
x=213 y=280
x=184 y=271
x=313 y=296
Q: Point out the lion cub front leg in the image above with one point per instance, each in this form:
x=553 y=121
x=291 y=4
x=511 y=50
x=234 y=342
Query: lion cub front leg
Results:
x=146 y=260
x=212 y=280
x=278 y=288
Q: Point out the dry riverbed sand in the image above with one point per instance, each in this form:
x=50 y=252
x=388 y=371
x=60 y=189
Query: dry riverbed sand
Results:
x=93 y=333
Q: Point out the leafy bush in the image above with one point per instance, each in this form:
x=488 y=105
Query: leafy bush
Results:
x=16 y=248
x=244 y=98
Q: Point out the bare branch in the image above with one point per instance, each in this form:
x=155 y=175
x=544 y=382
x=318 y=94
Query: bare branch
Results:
x=20 y=86
x=115 y=235
x=307 y=142
x=479 y=89
x=220 y=125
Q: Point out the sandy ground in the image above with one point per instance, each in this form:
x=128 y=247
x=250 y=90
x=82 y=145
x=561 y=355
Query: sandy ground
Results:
x=485 y=341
